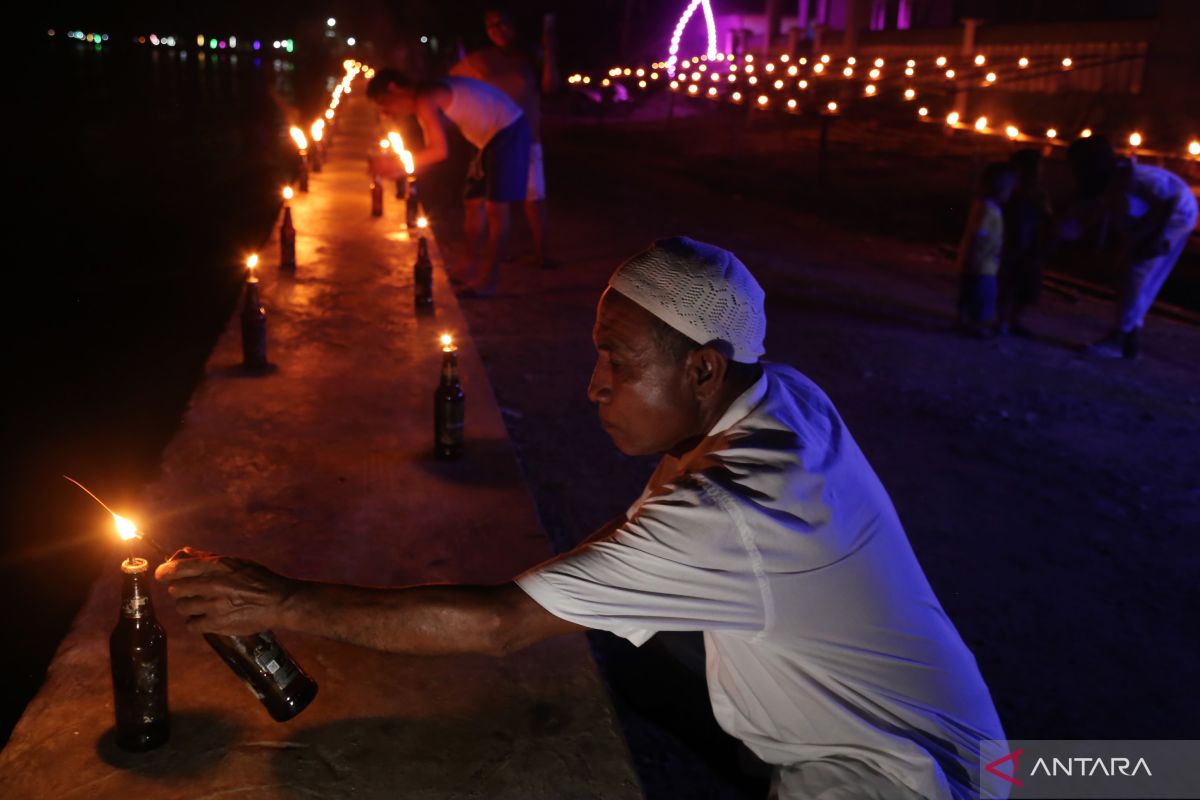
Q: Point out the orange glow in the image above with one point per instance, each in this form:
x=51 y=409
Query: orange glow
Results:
x=909 y=94
x=384 y=144
x=318 y=130
x=952 y=118
x=126 y=528
x=762 y=99
x=1051 y=133
x=923 y=111
x=329 y=114
x=825 y=59
x=981 y=124
x=869 y=88
x=950 y=73
x=1085 y=133
x=252 y=262
x=990 y=77
x=818 y=68
x=1194 y=147
x=941 y=61
x=1067 y=62
x=1012 y=132
x=299 y=138
x=736 y=97
x=980 y=60
x=831 y=107
x=422 y=223
x=288 y=193
x=1135 y=139
x=1023 y=62
x=447 y=342
x=406 y=158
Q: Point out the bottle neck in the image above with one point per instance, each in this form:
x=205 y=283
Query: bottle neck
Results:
x=450 y=367
x=135 y=594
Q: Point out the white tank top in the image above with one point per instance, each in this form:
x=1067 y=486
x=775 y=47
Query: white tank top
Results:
x=480 y=110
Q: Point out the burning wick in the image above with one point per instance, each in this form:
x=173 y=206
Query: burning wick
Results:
x=447 y=344
x=126 y=528
x=423 y=223
x=288 y=193
x=251 y=265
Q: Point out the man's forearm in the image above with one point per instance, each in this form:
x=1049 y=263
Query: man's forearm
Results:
x=418 y=620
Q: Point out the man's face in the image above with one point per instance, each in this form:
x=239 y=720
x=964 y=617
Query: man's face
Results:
x=397 y=102
x=645 y=401
x=500 y=29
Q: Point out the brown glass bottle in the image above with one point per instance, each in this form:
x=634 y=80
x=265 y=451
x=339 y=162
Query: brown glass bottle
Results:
x=287 y=241
x=138 y=654
x=423 y=276
x=254 y=329
x=376 y=196
x=449 y=409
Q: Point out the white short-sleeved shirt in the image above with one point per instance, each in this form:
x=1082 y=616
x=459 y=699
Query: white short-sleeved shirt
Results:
x=825 y=644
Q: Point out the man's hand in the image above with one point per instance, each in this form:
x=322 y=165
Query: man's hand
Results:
x=225 y=595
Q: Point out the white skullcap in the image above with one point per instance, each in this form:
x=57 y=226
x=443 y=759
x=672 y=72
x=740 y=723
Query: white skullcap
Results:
x=701 y=291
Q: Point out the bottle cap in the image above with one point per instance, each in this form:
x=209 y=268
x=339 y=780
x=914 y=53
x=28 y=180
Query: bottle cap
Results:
x=133 y=566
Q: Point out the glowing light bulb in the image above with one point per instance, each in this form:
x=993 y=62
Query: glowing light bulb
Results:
x=793 y=70
x=1067 y=62
x=712 y=91
x=769 y=67
x=879 y=62
x=831 y=107
x=1085 y=133
x=923 y=111
x=1135 y=139
x=874 y=74
x=909 y=94
x=910 y=63
x=990 y=77
x=762 y=99
x=825 y=59
x=950 y=74
x=952 y=118
x=980 y=60
x=785 y=58
x=818 y=68
x=981 y=124
x=1022 y=62
x=693 y=88
x=791 y=104
x=778 y=85
x=848 y=72
x=909 y=71
x=1051 y=133
x=941 y=61
x=869 y=88
x=1012 y=132
x=753 y=81
x=852 y=61
x=802 y=84
x=736 y=97
x=1194 y=147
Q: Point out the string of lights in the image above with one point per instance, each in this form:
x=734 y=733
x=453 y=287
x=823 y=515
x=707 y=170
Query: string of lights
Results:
x=792 y=84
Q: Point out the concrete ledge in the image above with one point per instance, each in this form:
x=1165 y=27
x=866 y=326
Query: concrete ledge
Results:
x=323 y=468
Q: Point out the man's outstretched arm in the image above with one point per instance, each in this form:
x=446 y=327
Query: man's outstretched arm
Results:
x=234 y=596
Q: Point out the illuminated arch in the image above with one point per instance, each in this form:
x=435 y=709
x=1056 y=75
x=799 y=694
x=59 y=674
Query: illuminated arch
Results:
x=673 y=51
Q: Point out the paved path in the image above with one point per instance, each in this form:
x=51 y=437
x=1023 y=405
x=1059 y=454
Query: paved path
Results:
x=323 y=469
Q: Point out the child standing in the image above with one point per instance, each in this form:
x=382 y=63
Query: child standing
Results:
x=980 y=250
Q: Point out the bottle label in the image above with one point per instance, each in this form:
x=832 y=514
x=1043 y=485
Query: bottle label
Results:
x=269 y=657
x=134 y=607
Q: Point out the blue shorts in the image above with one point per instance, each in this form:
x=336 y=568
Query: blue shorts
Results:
x=977 y=297
x=500 y=172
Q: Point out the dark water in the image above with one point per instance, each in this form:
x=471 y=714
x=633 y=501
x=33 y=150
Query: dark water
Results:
x=142 y=178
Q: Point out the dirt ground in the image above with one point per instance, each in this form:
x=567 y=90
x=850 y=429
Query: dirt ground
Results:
x=1052 y=499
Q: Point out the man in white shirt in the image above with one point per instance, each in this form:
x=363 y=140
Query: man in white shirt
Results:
x=764 y=527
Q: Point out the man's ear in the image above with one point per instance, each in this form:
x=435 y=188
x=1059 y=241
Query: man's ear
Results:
x=707 y=367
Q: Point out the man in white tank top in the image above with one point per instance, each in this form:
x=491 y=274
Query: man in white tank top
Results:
x=496 y=126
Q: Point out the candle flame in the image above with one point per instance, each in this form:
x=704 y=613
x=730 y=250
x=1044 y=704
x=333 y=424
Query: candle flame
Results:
x=422 y=222
x=397 y=141
x=447 y=341
x=288 y=193
x=252 y=262
x=406 y=157
x=318 y=130
x=299 y=138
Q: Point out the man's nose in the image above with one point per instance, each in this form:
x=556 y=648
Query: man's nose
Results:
x=598 y=389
